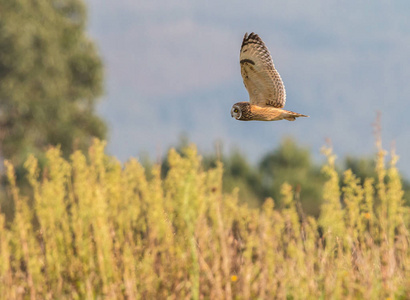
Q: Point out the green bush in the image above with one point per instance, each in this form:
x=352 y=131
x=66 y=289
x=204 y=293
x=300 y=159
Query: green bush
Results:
x=92 y=228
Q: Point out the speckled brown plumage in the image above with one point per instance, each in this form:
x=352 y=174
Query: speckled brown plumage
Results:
x=267 y=95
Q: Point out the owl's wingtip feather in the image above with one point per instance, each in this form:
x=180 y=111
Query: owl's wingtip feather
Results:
x=245 y=38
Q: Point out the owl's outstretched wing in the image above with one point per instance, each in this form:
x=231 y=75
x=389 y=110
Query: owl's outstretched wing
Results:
x=263 y=82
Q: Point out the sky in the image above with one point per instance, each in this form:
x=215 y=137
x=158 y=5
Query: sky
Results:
x=172 y=69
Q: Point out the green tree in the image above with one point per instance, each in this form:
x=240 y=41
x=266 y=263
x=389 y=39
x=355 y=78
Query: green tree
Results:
x=50 y=78
x=238 y=172
x=362 y=167
x=292 y=164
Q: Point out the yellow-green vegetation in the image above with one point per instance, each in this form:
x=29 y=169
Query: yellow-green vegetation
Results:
x=92 y=228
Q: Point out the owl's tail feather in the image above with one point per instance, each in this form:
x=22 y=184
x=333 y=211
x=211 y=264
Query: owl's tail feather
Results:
x=291 y=116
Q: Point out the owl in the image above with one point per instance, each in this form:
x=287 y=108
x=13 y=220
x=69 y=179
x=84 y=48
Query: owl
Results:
x=267 y=95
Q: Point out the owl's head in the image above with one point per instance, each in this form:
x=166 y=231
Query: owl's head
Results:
x=241 y=111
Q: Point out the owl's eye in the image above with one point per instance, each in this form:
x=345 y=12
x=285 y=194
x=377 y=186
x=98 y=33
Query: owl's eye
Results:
x=235 y=110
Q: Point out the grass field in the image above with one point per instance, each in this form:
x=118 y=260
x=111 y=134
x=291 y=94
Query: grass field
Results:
x=92 y=228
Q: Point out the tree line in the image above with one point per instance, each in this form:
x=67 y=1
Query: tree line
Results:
x=289 y=163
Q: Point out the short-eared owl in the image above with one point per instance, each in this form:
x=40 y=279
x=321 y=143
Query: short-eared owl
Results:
x=267 y=95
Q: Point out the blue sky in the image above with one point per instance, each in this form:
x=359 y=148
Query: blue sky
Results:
x=172 y=67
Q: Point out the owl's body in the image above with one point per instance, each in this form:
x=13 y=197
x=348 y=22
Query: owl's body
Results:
x=267 y=95
x=249 y=112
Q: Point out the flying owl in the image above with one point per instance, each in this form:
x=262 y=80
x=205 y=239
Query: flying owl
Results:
x=267 y=95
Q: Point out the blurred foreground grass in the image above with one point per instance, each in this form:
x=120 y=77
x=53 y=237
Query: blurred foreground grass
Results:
x=92 y=228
